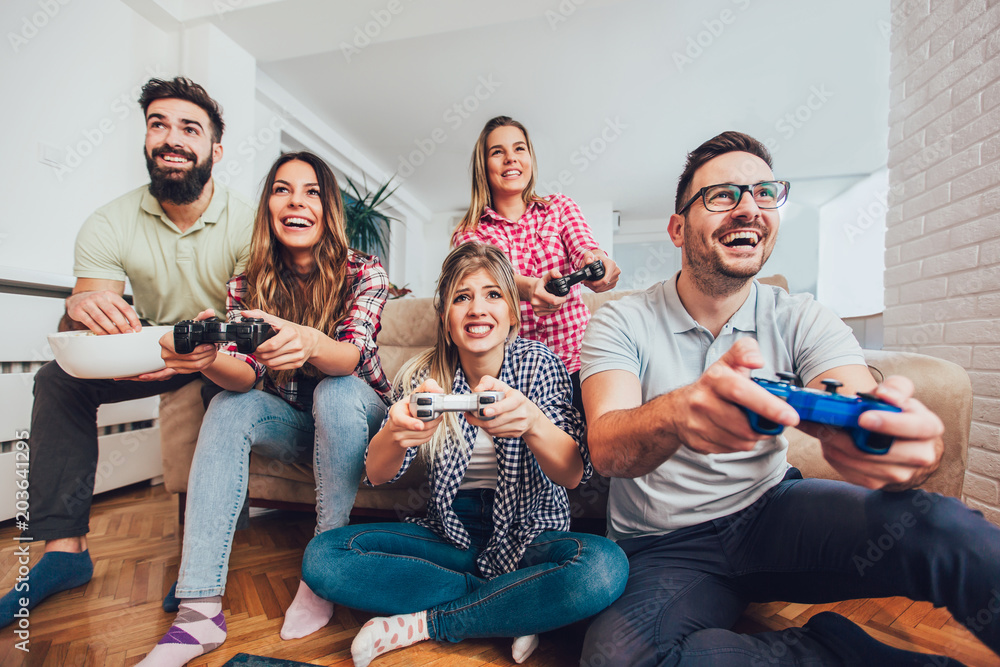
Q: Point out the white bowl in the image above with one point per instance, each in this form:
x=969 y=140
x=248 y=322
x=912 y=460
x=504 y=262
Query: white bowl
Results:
x=85 y=355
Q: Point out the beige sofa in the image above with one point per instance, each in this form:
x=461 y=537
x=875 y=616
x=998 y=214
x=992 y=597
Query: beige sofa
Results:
x=408 y=327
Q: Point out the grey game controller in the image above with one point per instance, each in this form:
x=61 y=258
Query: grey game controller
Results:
x=426 y=406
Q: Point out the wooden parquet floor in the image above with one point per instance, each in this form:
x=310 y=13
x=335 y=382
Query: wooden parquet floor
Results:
x=135 y=543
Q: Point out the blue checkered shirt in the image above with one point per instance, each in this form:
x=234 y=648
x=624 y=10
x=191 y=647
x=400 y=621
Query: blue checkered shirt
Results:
x=527 y=502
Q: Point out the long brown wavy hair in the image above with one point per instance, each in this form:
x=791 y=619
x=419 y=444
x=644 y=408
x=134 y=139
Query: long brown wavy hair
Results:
x=440 y=361
x=481 y=194
x=319 y=299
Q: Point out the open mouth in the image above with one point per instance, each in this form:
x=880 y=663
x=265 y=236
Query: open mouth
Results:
x=174 y=159
x=511 y=172
x=748 y=238
x=478 y=329
x=297 y=223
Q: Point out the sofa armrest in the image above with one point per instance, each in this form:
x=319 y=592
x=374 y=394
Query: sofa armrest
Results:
x=944 y=387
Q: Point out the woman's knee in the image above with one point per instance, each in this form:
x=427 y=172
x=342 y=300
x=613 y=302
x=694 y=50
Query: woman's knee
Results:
x=607 y=570
x=322 y=569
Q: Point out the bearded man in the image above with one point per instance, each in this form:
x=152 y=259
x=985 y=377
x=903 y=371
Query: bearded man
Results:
x=177 y=240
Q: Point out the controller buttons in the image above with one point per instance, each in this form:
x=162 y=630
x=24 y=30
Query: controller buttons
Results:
x=832 y=385
x=421 y=413
x=486 y=400
x=790 y=378
x=423 y=400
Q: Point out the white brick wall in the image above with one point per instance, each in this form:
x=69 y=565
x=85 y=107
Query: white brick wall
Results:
x=943 y=227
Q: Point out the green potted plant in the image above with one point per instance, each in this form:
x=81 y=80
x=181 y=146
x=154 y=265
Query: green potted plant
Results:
x=367 y=227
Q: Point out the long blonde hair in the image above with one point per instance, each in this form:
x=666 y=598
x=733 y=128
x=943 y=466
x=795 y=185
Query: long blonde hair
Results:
x=318 y=300
x=440 y=361
x=481 y=194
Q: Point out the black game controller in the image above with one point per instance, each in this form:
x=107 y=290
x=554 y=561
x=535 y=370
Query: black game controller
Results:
x=825 y=407
x=426 y=406
x=560 y=286
x=247 y=333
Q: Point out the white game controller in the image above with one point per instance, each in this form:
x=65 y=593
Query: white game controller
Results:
x=426 y=406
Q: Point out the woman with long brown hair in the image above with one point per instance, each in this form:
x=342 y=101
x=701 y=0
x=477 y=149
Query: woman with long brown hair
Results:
x=322 y=398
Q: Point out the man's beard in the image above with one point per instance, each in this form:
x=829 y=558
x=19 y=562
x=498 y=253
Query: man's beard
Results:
x=714 y=276
x=166 y=186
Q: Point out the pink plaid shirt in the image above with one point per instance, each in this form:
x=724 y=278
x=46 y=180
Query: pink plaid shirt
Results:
x=368 y=289
x=553 y=236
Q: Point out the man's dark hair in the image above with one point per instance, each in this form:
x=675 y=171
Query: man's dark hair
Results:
x=182 y=88
x=727 y=142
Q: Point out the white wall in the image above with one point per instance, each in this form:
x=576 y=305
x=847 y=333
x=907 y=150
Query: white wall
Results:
x=71 y=85
x=852 y=248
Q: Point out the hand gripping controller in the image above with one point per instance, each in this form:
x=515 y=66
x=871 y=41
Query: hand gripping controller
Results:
x=426 y=406
x=247 y=333
x=560 y=286
x=825 y=407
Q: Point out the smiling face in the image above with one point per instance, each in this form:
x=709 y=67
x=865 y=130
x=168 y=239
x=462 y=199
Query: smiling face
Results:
x=296 y=207
x=508 y=161
x=478 y=318
x=722 y=251
x=179 y=150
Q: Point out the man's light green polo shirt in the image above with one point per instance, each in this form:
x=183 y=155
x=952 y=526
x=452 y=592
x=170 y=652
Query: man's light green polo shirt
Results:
x=174 y=275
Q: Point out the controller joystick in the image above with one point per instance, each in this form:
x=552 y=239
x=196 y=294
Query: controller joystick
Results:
x=825 y=407
x=248 y=333
x=560 y=286
x=426 y=406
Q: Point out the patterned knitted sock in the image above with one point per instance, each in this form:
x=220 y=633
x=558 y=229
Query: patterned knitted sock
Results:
x=200 y=626
x=523 y=647
x=307 y=614
x=56 y=571
x=388 y=633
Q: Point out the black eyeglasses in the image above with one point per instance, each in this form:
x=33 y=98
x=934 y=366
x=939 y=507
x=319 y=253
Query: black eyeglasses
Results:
x=726 y=196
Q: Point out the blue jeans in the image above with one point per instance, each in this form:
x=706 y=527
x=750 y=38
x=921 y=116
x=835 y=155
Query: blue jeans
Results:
x=808 y=541
x=397 y=568
x=346 y=412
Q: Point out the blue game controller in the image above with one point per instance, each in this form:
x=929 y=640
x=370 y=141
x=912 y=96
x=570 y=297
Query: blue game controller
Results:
x=824 y=407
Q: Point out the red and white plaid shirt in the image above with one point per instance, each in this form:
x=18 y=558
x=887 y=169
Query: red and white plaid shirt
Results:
x=553 y=236
x=369 y=288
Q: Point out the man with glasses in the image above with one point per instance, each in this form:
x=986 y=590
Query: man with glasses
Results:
x=709 y=512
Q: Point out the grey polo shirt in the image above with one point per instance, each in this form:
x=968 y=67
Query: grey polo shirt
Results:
x=651 y=335
x=174 y=275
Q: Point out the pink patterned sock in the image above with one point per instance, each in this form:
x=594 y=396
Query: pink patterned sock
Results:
x=387 y=633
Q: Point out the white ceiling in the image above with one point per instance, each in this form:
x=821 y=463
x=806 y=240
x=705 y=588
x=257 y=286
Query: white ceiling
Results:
x=568 y=69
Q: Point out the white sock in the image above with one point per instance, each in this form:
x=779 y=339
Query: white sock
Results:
x=307 y=614
x=523 y=647
x=199 y=627
x=387 y=633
